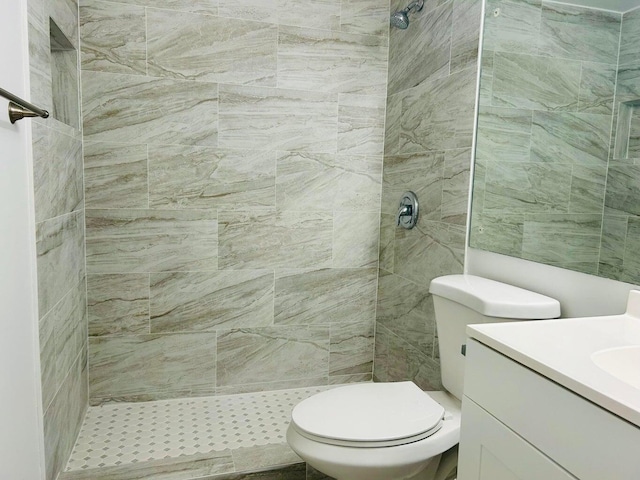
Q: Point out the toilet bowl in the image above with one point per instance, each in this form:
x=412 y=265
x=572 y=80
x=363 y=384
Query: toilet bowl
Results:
x=393 y=431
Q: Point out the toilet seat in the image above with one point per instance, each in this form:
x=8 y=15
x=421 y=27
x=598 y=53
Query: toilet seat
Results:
x=368 y=415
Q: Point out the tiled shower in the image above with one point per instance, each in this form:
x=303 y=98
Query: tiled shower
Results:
x=218 y=221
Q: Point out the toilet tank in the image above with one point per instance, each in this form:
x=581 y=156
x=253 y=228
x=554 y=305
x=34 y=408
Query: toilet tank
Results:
x=460 y=300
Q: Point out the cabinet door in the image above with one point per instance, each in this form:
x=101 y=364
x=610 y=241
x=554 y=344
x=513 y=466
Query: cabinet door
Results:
x=491 y=451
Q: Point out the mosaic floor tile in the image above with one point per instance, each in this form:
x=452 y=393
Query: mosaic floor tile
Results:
x=125 y=433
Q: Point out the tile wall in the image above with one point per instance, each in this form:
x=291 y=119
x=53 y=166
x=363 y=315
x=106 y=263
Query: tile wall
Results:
x=428 y=140
x=59 y=212
x=233 y=171
x=547 y=103
x=620 y=247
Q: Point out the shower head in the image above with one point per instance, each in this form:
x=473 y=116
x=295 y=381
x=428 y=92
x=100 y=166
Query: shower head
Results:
x=400 y=19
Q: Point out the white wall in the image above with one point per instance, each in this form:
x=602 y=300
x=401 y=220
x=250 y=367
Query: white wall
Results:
x=21 y=438
x=579 y=294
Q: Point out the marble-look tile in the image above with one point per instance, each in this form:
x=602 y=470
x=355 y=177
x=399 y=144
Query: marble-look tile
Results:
x=209 y=301
x=113 y=37
x=313 y=474
x=135 y=109
x=527 y=187
x=40 y=67
x=210 y=465
x=209 y=7
x=351 y=348
x=478 y=186
x=351 y=378
x=439 y=115
x=317 y=297
x=628 y=86
x=570 y=138
x=321 y=14
x=630 y=37
x=325 y=61
x=323 y=182
x=47 y=341
x=211 y=49
x=387 y=241
x=115 y=176
x=264 y=239
x=255 y=355
x=562 y=239
x=361 y=124
x=381 y=354
x=623 y=196
x=392 y=124
x=202 y=177
x=70 y=329
x=263 y=11
x=597 y=88
x=465 y=35
x=278 y=119
x=455 y=186
x=497 y=232
x=486 y=77
x=598 y=32
x=132 y=222
x=504 y=134
x=263 y=456
x=306 y=182
x=125 y=366
x=60 y=250
x=366 y=17
x=118 y=304
x=355 y=239
x=429 y=250
x=65 y=84
x=540 y=83
x=293 y=472
x=587 y=188
x=57 y=173
x=421 y=53
x=631 y=269
x=63 y=418
x=406 y=309
x=409 y=363
x=612 y=245
x=515 y=29
x=136 y=241
x=35 y=12
x=421 y=173
x=270 y=386
x=65 y=14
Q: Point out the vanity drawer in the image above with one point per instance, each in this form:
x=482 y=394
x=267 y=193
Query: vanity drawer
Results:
x=583 y=438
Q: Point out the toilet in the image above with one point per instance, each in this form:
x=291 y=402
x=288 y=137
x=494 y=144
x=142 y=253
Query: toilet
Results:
x=389 y=431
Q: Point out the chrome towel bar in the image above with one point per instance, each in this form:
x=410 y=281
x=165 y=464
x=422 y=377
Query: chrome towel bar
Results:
x=19 y=108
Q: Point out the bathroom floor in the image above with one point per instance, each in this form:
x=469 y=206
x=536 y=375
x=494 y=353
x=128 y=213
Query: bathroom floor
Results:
x=127 y=433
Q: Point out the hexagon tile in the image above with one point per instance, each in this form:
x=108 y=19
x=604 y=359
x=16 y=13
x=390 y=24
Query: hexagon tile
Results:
x=122 y=433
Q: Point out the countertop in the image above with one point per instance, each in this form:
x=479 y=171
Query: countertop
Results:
x=561 y=350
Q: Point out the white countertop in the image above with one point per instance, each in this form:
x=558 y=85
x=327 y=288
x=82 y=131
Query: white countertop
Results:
x=561 y=350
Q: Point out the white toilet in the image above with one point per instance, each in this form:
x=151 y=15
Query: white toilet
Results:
x=389 y=431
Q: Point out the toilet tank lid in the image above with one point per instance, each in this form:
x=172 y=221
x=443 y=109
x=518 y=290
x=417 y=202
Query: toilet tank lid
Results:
x=495 y=299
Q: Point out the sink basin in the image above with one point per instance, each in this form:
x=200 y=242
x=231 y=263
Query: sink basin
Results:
x=621 y=362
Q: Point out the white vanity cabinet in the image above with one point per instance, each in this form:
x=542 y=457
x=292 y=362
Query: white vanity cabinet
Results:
x=519 y=425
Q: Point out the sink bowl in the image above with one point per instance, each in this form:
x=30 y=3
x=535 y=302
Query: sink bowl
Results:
x=621 y=362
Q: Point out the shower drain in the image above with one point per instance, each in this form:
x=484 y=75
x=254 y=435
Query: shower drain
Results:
x=123 y=433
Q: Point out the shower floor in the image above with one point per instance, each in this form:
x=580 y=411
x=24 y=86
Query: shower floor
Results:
x=129 y=433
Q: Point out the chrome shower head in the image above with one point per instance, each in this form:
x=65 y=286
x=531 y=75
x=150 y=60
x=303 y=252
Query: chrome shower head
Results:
x=400 y=19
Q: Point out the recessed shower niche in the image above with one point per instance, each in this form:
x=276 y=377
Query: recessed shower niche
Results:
x=627 y=144
x=64 y=77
